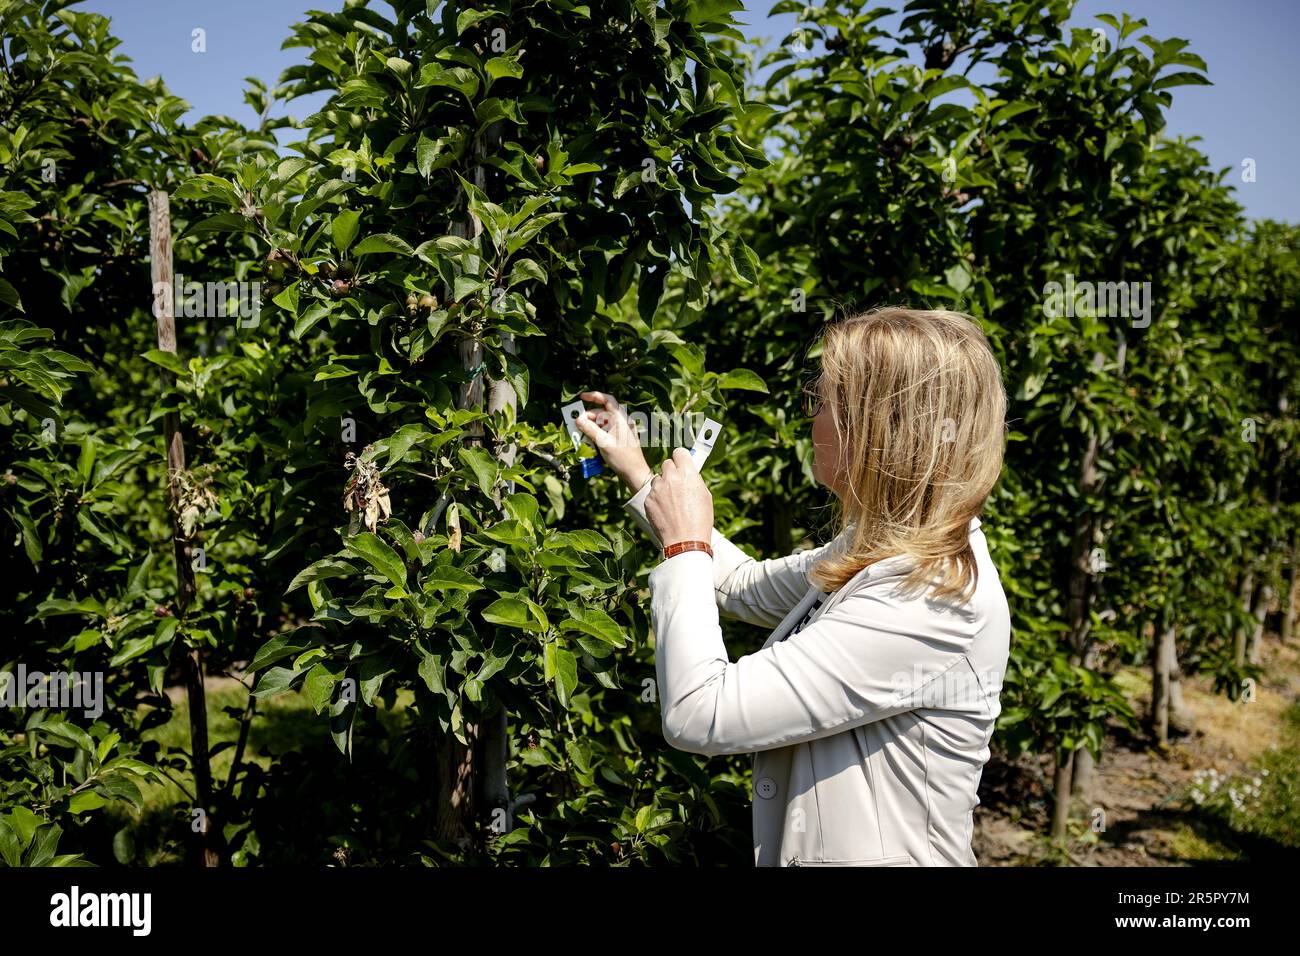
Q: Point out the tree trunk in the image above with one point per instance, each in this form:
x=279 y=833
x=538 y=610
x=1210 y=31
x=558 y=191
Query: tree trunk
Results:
x=472 y=779
x=1061 y=801
x=496 y=745
x=1263 y=601
x=1161 y=678
x=1292 y=594
x=1181 y=717
x=1078 y=612
x=1247 y=594
x=1083 y=587
x=1083 y=775
x=160 y=268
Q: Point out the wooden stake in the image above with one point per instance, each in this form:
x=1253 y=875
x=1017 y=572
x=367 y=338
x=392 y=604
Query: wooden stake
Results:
x=160 y=267
x=472 y=780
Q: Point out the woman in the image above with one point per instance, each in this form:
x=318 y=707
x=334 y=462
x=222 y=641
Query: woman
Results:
x=870 y=708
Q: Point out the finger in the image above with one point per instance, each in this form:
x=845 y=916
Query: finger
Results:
x=593 y=431
x=601 y=398
x=684 y=458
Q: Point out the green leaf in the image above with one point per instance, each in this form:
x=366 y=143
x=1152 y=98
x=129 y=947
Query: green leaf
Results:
x=457 y=77
x=376 y=552
x=453 y=245
x=521 y=236
x=597 y=623
x=566 y=674
x=503 y=66
x=958 y=277
x=446 y=577
x=468 y=18
x=401 y=442
x=123 y=846
x=742 y=378
x=86 y=800
x=512 y=612
x=275 y=681
x=426 y=152
x=10 y=849
x=483 y=465
x=384 y=242
x=511 y=533
x=308 y=319
x=432 y=671
x=1181 y=79
x=332 y=371
x=25 y=823
x=168 y=360
x=744 y=261
x=1010 y=111
x=9 y=296
x=66 y=733
x=208 y=187
x=344 y=229
x=277 y=648
x=291 y=167
x=324 y=568
x=525 y=270
x=319 y=685
x=288 y=299
x=583 y=539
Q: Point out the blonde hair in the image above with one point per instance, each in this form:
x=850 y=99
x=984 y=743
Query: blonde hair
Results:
x=920 y=410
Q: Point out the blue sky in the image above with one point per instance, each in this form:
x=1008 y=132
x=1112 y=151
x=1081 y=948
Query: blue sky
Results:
x=1250 y=111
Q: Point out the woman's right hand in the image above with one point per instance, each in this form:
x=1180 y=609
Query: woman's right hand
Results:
x=615 y=437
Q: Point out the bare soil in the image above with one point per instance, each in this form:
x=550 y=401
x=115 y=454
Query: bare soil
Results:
x=1139 y=786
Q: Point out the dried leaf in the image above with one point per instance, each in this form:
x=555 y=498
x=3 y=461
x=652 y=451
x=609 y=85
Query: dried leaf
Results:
x=453 y=527
x=364 y=495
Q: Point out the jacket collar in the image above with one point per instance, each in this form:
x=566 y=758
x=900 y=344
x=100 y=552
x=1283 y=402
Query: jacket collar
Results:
x=974 y=523
x=881 y=567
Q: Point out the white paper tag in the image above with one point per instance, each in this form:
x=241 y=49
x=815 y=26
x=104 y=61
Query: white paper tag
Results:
x=704 y=442
x=572 y=412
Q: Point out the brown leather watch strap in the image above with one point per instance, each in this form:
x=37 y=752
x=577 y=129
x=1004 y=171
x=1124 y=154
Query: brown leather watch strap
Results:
x=682 y=546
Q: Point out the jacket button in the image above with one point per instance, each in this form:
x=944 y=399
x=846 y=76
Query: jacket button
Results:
x=765 y=788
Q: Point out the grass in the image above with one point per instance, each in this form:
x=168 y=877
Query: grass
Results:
x=152 y=836
x=1255 y=813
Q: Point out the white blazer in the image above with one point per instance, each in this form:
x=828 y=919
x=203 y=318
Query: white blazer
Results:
x=869 y=718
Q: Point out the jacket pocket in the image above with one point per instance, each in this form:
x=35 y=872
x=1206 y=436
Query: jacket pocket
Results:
x=900 y=860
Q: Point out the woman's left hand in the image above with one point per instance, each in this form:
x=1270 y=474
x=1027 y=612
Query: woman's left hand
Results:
x=679 y=505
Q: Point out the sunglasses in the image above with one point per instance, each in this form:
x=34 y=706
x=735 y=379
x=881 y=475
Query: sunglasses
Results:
x=811 y=397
